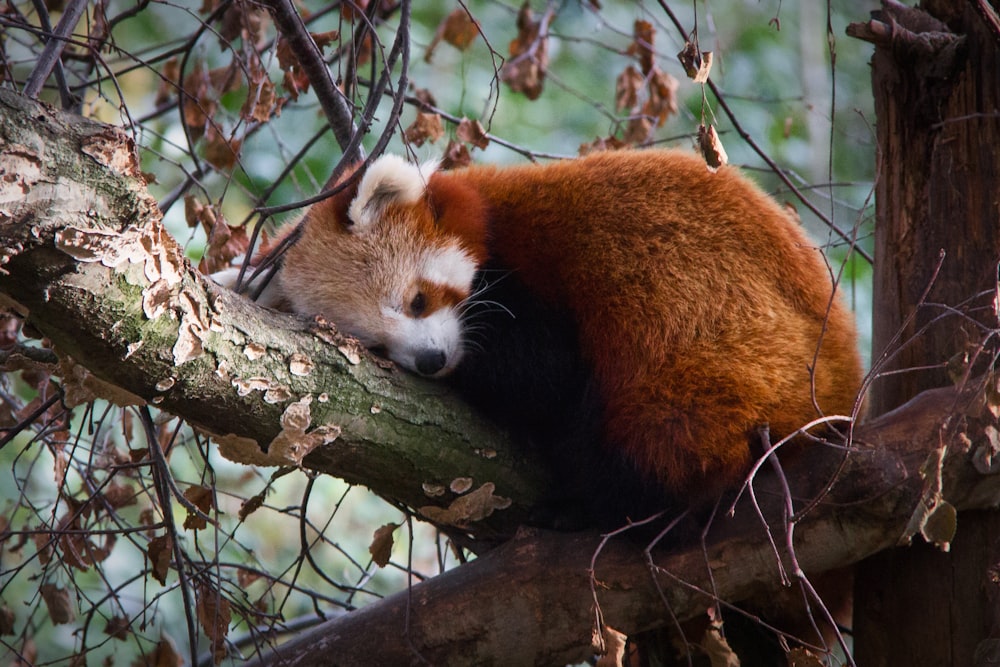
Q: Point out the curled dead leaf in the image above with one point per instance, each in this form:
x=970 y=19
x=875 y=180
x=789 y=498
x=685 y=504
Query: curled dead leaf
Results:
x=627 y=87
x=472 y=132
x=456 y=155
x=613 y=648
x=6 y=621
x=159 y=551
x=525 y=69
x=458 y=29
x=58 y=604
x=202 y=498
x=117 y=627
x=711 y=147
x=214 y=616
x=641 y=47
x=381 y=546
x=602 y=144
x=426 y=127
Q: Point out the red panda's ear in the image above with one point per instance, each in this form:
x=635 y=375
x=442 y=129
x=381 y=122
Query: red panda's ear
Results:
x=388 y=180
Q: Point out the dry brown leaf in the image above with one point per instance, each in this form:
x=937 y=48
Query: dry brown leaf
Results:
x=662 y=101
x=200 y=497
x=642 y=45
x=614 y=648
x=803 y=657
x=525 y=69
x=198 y=102
x=720 y=654
x=711 y=147
x=602 y=144
x=245 y=20
x=221 y=152
x=262 y=101
x=164 y=655
x=246 y=577
x=28 y=654
x=58 y=603
x=325 y=39
x=6 y=621
x=117 y=627
x=425 y=96
x=214 y=616
x=170 y=76
x=627 y=87
x=458 y=29
x=472 y=132
x=456 y=155
x=225 y=243
x=381 y=546
x=690 y=59
x=160 y=551
x=251 y=505
x=426 y=127
x=639 y=130
x=119 y=495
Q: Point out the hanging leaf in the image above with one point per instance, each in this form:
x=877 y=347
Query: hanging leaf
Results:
x=200 y=497
x=642 y=45
x=458 y=29
x=426 y=127
x=472 y=132
x=525 y=69
x=159 y=552
x=381 y=546
x=214 y=616
x=58 y=603
x=627 y=87
x=711 y=147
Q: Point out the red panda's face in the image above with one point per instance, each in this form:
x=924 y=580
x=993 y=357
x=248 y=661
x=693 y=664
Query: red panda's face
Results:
x=385 y=270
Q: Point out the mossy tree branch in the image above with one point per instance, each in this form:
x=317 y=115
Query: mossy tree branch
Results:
x=86 y=258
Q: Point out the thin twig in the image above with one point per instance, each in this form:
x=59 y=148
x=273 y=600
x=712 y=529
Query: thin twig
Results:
x=335 y=106
x=54 y=48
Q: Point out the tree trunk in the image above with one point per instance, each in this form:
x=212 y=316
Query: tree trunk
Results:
x=937 y=242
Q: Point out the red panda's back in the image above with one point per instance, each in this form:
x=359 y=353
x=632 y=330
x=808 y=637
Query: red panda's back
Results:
x=699 y=303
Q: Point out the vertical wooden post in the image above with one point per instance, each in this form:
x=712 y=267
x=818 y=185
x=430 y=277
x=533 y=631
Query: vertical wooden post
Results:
x=936 y=79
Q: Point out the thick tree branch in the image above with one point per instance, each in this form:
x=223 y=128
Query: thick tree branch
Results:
x=85 y=256
x=536 y=591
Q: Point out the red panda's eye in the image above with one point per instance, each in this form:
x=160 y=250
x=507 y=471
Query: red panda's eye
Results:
x=418 y=305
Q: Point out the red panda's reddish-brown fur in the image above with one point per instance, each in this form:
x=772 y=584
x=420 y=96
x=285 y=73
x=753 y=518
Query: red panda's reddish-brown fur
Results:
x=703 y=308
x=699 y=308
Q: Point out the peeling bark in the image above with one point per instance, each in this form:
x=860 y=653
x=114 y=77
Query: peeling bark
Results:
x=85 y=258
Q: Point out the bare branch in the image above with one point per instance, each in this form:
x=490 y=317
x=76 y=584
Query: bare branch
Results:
x=338 y=111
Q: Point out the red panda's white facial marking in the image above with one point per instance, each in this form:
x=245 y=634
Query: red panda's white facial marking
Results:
x=392 y=276
x=421 y=325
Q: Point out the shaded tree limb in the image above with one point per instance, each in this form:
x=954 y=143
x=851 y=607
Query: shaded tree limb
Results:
x=535 y=591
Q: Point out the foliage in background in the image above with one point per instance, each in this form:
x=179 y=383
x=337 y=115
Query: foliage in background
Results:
x=123 y=535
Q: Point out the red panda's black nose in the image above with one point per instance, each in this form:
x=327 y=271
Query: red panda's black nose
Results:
x=429 y=362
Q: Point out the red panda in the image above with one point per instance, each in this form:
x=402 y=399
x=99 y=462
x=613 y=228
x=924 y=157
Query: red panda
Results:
x=631 y=310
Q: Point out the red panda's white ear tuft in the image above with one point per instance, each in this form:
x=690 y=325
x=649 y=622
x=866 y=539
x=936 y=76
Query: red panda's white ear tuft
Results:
x=388 y=180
